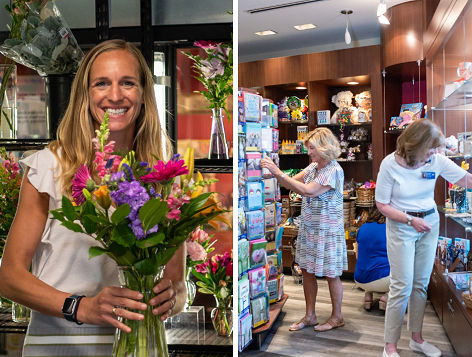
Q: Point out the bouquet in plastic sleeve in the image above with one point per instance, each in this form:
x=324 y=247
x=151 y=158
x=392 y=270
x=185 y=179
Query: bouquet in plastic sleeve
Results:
x=40 y=38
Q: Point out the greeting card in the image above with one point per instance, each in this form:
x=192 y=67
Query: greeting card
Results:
x=257 y=282
x=255 y=224
x=257 y=253
x=254 y=192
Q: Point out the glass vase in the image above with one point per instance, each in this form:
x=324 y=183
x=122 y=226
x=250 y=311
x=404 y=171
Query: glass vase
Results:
x=191 y=289
x=218 y=144
x=222 y=317
x=147 y=337
x=20 y=313
x=8 y=89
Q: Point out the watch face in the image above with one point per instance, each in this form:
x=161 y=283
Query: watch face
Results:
x=69 y=304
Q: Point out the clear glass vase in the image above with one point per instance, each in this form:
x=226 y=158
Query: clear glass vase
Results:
x=147 y=337
x=20 y=313
x=222 y=317
x=8 y=89
x=218 y=144
x=191 y=289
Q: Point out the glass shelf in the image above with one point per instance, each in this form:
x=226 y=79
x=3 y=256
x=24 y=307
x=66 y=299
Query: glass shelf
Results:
x=295 y=122
x=23 y=144
x=346 y=125
x=221 y=166
x=458 y=219
x=460 y=99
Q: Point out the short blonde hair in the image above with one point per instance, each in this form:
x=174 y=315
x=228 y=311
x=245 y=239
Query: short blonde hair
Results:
x=324 y=142
x=419 y=137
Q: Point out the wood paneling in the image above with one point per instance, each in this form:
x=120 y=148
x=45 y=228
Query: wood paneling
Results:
x=446 y=15
x=402 y=39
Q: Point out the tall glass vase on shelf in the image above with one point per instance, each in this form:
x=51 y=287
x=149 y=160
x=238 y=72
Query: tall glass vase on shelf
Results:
x=147 y=337
x=191 y=289
x=8 y=101
x=218 y=144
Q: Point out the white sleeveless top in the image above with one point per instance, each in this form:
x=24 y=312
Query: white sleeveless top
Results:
x=61 y=260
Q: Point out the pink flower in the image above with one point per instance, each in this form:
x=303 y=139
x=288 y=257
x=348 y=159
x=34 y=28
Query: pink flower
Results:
x=205 y=44
x=79 y=182
x=202 y=268
x=200 y=235
x=165 y=172
x=195 y=250
x=173 y=214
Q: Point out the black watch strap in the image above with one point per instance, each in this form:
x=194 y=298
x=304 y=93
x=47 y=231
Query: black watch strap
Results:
x=70 y=307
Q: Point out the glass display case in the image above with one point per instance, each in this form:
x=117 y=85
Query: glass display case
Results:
x=449 y=75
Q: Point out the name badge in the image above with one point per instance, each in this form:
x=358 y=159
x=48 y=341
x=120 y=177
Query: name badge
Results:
x=428 y=175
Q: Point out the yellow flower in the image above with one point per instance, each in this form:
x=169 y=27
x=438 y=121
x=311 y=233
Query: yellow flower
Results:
x=103 y=197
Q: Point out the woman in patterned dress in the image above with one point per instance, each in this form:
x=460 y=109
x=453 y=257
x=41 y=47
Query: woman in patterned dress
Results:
x=321 y=246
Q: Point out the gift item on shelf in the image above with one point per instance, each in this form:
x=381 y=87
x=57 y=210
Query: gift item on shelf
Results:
x=323 y=117
x=257 y=253
x=274 y=114
x=255 y=224
x=253 y=137
x=366 y=195
x=272 y=290
x=302 y=131
x=257 y=282
x=272 y=266
x=254 y=195
x=260 y=310
x=250 y=110
x=452 y=146
x=269 y=215
x=346 y=111
x=253 y=166
x=245 y=332
x=275 y=141
x=243 y=256
x=408 y=113
x=364 y=106
x=270 y=189
x=243 y=295
x=283 y=110
x=294 y=104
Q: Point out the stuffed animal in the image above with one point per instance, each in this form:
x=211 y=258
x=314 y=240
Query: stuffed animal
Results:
x=346 y=111
x=364 y=106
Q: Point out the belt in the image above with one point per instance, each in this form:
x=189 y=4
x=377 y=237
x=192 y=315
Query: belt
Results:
x=421 y=214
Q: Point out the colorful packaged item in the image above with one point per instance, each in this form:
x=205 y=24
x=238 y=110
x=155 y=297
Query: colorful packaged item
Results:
x=272 y=288
x=244 y=332
x=251 y=106
x=255 y=224
x=274 y=109
x=253 y=166
x=254 y=195
x=275 y=141
x=270 y=189
x=253 y=137
x=269 y=215
x=272 y=266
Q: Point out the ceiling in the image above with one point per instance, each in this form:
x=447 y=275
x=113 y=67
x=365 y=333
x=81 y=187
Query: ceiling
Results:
x=325 y=14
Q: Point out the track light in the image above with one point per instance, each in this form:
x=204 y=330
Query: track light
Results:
x=382 y=8
x=383 y=20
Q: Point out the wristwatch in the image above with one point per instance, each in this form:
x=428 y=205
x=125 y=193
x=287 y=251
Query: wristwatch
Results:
x=408 y=219
x=70 y=307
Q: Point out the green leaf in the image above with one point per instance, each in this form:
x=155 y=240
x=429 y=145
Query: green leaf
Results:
x=121 y=255
x=146 y=266
x=151 y=241
x=89 y=225
x=196 y=203
x=98 y=219
x=96 y=251
x=73 y=226
x=152 y=213
x=68 y=209
x=121 y=213
x=205 y=291
x=58 y=214
x=123 y=235
x=163 y=255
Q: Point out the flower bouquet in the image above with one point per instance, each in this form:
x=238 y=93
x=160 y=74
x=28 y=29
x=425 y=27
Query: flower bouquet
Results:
x=198 y=246
x=215 y=276
x=215 y=72
x=40 y=38
x=139 y=216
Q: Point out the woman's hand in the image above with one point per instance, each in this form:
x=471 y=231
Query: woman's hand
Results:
x=164 y=301
x=420 y=225
x=111 y=302
x=271 y=166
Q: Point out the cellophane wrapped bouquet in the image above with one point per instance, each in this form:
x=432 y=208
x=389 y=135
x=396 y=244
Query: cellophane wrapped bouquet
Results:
x=140 y=216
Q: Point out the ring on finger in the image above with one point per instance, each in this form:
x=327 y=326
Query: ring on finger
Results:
x=113 y=310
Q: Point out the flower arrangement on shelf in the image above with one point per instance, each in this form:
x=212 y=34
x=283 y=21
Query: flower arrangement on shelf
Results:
x=153 y=216
x=215 y=277
x=215 y=72
x=199 y=244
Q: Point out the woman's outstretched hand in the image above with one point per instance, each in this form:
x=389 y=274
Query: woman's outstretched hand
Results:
x=270 y=165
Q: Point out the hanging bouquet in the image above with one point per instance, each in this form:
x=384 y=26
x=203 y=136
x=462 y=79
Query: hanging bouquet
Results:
x=40 y=38
x=153 y=216
x=215 y=277
x=215 y=72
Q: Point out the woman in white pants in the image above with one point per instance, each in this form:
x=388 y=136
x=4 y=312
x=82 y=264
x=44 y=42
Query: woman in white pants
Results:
x=405 y=195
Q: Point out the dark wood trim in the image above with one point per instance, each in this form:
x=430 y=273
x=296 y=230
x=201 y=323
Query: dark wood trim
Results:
x=446 y=15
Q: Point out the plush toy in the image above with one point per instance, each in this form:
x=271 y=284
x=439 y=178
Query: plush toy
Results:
x=364 y=107
x=346 y=110
x=294 y=104
x=283 y=110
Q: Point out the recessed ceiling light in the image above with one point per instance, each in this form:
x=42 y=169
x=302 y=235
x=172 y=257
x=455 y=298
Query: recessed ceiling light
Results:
x=300 y=87
x=352 y=83
x=305 y=27
x=265 y=33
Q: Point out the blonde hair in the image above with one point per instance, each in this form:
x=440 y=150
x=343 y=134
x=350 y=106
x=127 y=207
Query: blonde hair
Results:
x=324 y=142
x=73 y=146
x=419 y=137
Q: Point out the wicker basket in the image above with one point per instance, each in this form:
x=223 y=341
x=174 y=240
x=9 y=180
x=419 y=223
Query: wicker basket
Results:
x=467 y=295
x=365 y=197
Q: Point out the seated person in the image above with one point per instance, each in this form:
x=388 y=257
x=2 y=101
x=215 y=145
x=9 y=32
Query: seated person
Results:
x=372 y=267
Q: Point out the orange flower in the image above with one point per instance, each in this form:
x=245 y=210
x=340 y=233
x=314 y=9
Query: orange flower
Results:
x=103 y=197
